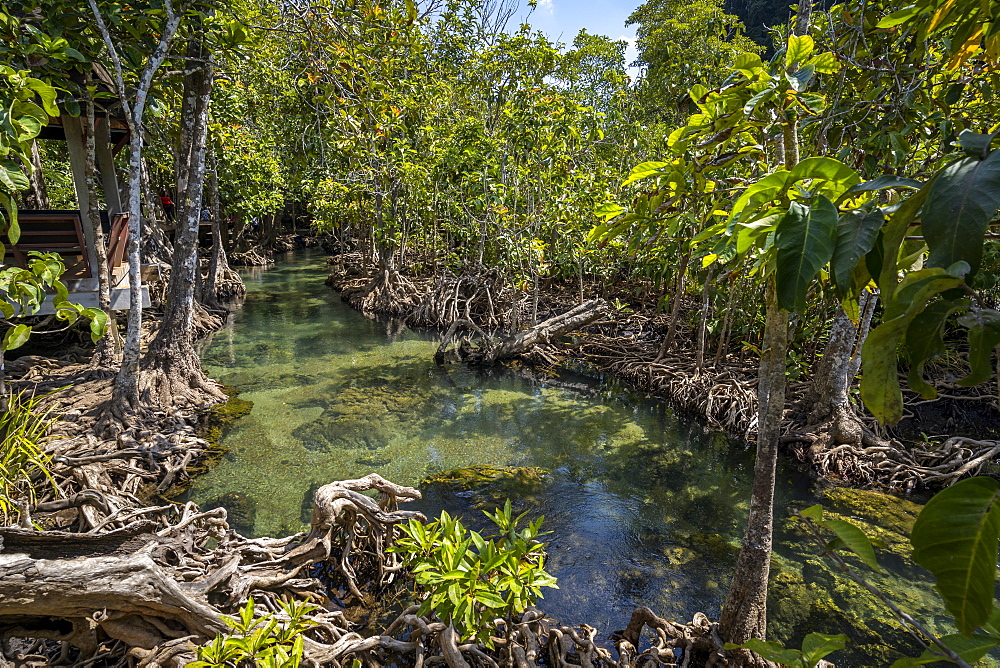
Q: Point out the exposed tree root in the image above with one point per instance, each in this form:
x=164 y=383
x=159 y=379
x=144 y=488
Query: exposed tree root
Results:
x=478 y=294
x=251 y=258
x=387 y=292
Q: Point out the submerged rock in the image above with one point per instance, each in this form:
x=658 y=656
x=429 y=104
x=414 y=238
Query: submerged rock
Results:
x=480 y=476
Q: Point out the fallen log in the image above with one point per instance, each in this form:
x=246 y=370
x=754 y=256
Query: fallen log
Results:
x=490 y=351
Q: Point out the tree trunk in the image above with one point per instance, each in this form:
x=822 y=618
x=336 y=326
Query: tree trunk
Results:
x=703 y=325
x=675 y=306
x=173 y=370
x=38 y=189
x=109 y=348
x=125 y=396
x=219 y=271
x=744 y=614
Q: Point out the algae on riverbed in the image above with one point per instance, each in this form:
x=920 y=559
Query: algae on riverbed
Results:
x=645 y=507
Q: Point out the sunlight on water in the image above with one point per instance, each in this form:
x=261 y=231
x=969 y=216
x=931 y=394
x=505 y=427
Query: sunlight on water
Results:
x=645 y=507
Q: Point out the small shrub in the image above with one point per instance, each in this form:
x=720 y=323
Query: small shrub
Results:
x=467 y=580
x=258 y=641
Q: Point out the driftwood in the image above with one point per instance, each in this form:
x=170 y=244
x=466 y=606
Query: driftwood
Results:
x=491 y=351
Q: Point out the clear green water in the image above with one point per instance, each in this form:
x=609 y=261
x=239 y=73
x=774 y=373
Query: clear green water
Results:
x=645 y=507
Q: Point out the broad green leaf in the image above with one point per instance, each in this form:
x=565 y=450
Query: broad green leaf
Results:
x=855 y=539
x=800 y=79
x=608 y=210
x=829 y=176
x=892 y=236
x=880 y=389
x=771 y=651
x=47 y=93
x=799 y=48
x=899 y=16
x=754 y=101
x=749 y=234
x=16 y=337
x=768 y=188
x=12 y=177
x=856 y=235
x=824 y=63
x=814 y=513
x=984 y=336
x=883 y=182
x=976 y=145
x=925 y=341
x=959 y=207
x=955 y=537
x=805 y=237
x=816 y=646
x=644 y=170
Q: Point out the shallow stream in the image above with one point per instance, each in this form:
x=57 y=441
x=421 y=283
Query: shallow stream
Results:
x=645 y=506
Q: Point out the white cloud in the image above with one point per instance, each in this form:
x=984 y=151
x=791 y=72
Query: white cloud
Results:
x=546 y=6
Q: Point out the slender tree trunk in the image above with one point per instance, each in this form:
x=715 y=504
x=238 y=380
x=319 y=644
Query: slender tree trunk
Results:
x=172 y=365
x=218 y=266
x=38 y=188
x=703 y=325
x=108 y=351
x=720 y=349
x=125 y=396
x=744 y=614
x=675 y=306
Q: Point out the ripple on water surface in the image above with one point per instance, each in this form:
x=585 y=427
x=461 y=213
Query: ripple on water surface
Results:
x=644 y=507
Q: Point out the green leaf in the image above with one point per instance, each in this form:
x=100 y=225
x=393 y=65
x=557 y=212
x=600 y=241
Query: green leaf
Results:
x=984 y=336
x=925 y=341
x=799 y=48
x=16 y=337
x=899 y=16
x=644 y=170
x=816 y=646
x=800 y=79
x=608 y=210
x=771 y=651
x=829 y=176
x=825 y=63
x=754 y=101
x=856 y=235
x=892 y=237
x=805 y=237
x=768 y=188
x=814 y=513
x=12 y=177
x=855 y=539
x=976 y=145
x=880 y=389
x=955 y=537
x=959 y=207
x=883 y=182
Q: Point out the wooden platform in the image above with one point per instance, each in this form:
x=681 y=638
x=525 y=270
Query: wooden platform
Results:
x=63 y=232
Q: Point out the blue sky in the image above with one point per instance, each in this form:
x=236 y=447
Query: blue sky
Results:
x=562 y=19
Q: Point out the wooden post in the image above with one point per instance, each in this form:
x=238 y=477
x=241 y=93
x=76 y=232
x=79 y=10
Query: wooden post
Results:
x=77 y=162
x=106 y=164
